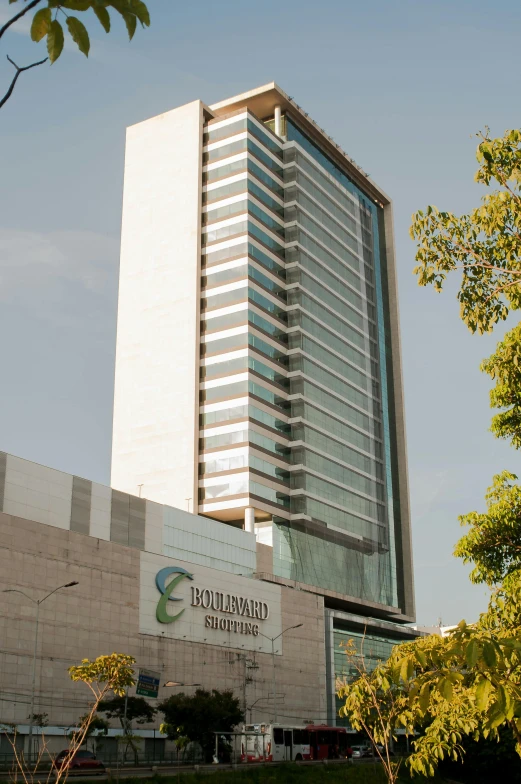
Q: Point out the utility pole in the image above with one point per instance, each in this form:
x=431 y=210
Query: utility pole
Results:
x=37 y=602
x=272 y=640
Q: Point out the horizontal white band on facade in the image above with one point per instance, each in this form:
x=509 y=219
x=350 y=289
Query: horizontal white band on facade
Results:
x=225 y=356
x=218 y=359
x=213 y=186
x=242 y=116
x=241 y=284
x=224 y=222
x=233 y=427
x=244 y=217
x=239 y=156
x=251 y=448
x=230 y=242
x=237 y=199
x=224 y=142
x=214 y=125
x=226 y=201
x=233 y=451
x=225 y=287
x=245 y=134
x=220 y=382
x=217 y=505
x=226 y=265
x=224 y=333
x=226 y=243
x=223 y=404
x=224 y=311
x=242 y=175
x=243 y=476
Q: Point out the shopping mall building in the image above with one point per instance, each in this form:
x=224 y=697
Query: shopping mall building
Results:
x=258 y=513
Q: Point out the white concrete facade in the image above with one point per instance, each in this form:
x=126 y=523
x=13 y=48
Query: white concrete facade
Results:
x=154 y=451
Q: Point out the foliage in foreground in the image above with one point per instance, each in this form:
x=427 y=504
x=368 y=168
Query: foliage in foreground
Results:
x=358 y=773
x=467 y=687
x=49 y=21
x=196 y=717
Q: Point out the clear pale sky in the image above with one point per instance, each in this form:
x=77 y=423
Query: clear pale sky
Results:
x=402 y=85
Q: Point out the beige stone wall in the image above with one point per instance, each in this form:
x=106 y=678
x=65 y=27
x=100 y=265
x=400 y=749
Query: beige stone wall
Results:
x=101 y=615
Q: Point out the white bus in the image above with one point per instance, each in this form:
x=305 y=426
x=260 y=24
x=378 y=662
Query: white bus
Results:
x=280 y=742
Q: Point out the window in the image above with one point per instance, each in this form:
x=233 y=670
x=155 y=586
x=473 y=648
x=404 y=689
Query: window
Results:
x=278 y=736
x=301 y=737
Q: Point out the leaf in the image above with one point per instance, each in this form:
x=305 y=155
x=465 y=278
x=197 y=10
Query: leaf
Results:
x=55 y=40
x=79 y=34
x=420 y=655
x=445 y=689
x=131 y=22
x=472 y=653
x=424 y=698
x=41 y=24
x=141 y=11
x=482 y=693
x=103 y=17
x=489 y=654
x=76 y=5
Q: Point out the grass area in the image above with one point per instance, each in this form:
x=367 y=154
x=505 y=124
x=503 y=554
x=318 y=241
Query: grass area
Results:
x=364 y=773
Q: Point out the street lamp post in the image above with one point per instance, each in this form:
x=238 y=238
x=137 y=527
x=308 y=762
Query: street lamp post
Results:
x=272 y=640
x=37 y=602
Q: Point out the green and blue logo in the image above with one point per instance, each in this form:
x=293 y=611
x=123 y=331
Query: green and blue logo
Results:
x=165 y=589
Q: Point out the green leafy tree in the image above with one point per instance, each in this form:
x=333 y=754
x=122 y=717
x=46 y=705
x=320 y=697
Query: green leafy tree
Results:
x=127 y=710
x=484 y=245
x=105 y=674
x=375 y=705
x=95 y=725
x=53 y=16
x=199 y=716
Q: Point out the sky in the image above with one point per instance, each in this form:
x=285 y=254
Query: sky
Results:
x=401 y=85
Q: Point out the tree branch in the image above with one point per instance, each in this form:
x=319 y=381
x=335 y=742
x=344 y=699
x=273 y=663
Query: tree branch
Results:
x=18 y=16
x=18 y=72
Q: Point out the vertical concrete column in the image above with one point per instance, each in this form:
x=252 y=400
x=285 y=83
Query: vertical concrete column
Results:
x=249 y=519
x=277 y=121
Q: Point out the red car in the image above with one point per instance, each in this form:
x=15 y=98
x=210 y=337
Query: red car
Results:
x=80 y=761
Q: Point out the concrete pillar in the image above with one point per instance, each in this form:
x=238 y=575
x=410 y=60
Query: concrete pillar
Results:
x=278 y=121
x=249 y=519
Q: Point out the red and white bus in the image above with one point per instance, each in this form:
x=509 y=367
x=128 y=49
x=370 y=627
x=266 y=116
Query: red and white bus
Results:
x=279 y=742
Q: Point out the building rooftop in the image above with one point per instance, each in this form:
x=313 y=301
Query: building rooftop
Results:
x=262 y=101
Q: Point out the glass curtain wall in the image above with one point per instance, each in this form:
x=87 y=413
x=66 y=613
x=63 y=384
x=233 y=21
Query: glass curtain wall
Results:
x=295 y=409
x=244 y=384
x=341 y=480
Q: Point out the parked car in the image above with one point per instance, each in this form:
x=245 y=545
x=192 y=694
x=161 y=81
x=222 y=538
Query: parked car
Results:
x=82 y=760
x=360 y=751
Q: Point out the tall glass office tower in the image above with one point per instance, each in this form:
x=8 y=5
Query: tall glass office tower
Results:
x=258 y=375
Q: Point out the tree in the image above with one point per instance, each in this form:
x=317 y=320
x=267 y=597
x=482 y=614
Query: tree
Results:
x=485 y=244
x=126 y=710
x=95 y=725
x=101 y=676
x=375 y=705
x=199 y=716
x=46 y=24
